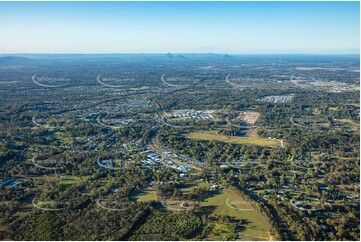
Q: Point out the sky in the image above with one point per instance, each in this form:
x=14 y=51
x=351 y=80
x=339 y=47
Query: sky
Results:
x=180 y=27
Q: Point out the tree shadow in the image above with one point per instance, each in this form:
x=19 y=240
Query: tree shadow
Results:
x=185 y=186
x=205 y=210
x=210 y=194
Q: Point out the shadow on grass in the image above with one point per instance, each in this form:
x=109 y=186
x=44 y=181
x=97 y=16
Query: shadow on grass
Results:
x=205 y=210
x=210 y=194
x=185 y=186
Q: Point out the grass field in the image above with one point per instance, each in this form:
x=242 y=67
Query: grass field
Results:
x=257 y=227
x=187 y=188
x=251 y=139
x=353 y=125
x=147 y=196
x=139 y=88
x=72 y=180
x=224 y=202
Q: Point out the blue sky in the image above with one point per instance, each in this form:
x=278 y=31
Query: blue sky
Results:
x=180 y=27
